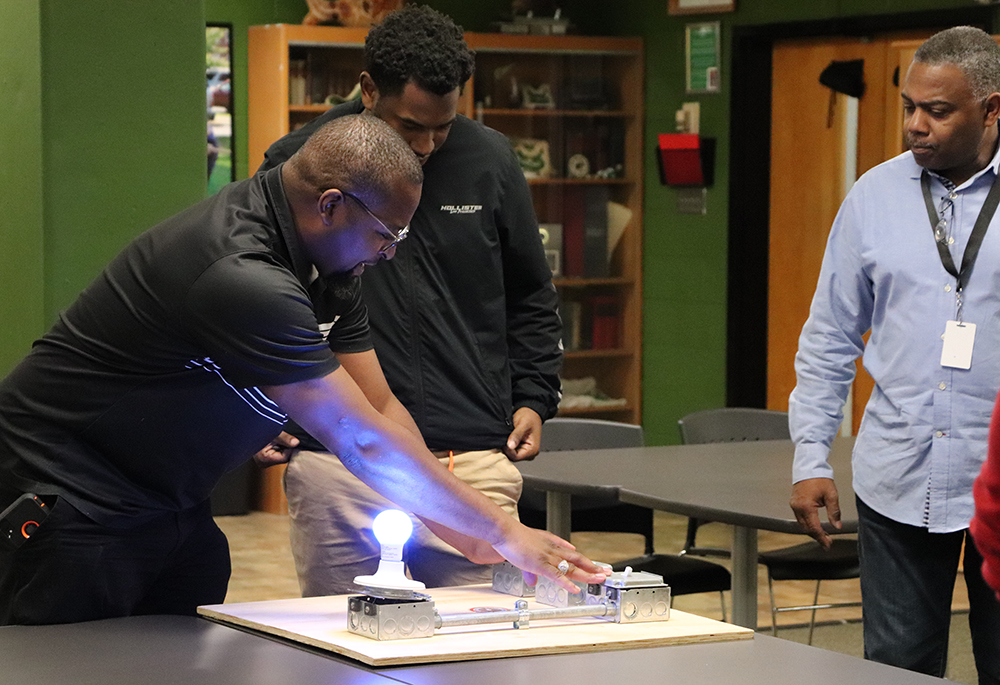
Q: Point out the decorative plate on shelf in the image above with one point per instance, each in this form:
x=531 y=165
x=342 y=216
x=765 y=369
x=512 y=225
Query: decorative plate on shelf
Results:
x=533 y=157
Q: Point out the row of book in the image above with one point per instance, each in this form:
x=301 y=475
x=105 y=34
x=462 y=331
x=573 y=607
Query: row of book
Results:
x=582 y=245
x=585 y=232
x=310 y=84
x=591 y=323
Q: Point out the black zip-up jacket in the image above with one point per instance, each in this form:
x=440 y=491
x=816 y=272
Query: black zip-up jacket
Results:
x=464 y=318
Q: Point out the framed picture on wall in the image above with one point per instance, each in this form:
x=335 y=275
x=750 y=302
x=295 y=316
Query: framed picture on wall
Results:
x=219 y=105
x=700 y=6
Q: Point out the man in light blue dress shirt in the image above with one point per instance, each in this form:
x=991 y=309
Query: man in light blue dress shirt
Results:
x=897 y=263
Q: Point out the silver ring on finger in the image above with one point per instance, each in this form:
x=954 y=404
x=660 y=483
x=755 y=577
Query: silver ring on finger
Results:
x=563 y=567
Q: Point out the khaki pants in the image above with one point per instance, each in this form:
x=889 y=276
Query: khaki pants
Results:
x=331 y=513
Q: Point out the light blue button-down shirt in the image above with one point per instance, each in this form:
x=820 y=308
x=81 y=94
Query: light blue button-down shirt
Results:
x=923 y=437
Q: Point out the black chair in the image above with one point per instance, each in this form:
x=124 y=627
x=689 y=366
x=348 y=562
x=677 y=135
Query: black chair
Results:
x=807 y=561
x=685 y=575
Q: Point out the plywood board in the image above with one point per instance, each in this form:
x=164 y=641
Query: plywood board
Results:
x=322 y=622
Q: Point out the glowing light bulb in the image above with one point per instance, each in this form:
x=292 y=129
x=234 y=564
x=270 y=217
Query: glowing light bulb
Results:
x=392 y=529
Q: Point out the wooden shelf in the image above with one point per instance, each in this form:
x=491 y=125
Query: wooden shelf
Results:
x=315 y=110
x=619 y=282
x=541 y=112
x=302 y=35
x=581 y=411
x=597 y=354
x=578 y=181
x=535 y=46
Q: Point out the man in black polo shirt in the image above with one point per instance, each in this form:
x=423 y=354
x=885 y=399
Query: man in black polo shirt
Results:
x=186 y=355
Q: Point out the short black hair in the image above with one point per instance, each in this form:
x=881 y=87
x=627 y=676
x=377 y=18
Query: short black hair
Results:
x=418 y=44
x=970 y=49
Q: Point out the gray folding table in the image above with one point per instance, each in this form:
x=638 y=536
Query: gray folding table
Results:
x=180 y=650
x=746 y=484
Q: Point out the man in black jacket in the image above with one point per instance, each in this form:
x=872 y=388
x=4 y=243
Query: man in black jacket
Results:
x=464 y=318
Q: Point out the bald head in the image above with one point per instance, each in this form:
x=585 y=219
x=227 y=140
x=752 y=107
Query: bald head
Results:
x=352 y=188
x=359 y=153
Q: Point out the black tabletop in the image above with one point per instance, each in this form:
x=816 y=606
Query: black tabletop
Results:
x=176 y=650
x=163 y=650
x=741 y=483
x=763 y=660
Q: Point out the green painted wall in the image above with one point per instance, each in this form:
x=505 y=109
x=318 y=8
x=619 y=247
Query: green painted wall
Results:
x=684 y=256
x=123 y=129
x=22 y=316
x=105 y=111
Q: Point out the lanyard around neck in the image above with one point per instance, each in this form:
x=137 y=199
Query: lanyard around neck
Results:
x=986 y=213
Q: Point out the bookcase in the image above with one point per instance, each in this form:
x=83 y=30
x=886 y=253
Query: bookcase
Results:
x=573 y=108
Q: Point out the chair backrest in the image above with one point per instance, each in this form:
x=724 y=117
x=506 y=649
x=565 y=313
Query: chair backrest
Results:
x=733 y=424
x=561 y=434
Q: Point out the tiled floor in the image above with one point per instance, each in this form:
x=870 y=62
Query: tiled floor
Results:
x=263 y=567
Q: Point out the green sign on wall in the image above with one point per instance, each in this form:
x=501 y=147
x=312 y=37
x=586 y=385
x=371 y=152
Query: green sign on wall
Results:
x=701 y=57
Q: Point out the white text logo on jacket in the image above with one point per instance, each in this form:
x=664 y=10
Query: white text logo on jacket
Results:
x=461 y=209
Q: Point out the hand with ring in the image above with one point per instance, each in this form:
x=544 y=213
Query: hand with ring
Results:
x=538 y=552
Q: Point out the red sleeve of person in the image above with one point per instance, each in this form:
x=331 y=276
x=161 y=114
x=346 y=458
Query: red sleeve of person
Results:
x=985 y=526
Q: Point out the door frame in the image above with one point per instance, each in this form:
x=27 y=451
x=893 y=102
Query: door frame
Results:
x=749 y=196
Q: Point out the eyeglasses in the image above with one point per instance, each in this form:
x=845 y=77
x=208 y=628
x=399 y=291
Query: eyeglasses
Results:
x=397 y=238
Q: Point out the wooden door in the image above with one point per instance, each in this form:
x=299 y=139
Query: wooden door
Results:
x=808 y=138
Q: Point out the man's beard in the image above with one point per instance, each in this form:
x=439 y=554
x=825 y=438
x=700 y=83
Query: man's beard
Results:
x=342 y=284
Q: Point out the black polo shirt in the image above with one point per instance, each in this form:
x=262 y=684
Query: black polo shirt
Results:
x=145 y=391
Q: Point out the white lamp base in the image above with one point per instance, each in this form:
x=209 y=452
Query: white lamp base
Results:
x=390 y=575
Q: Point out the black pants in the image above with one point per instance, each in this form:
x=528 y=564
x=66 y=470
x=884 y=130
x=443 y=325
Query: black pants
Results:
x=907 y=581
x=73 y=569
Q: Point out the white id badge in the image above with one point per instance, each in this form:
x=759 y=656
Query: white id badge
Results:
x=958 y=341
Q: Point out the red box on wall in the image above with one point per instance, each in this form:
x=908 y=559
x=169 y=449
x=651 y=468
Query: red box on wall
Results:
x=685 y=159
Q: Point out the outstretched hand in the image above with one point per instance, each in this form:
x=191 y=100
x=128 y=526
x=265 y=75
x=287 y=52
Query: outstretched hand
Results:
x=536 y=552
x=539 y=553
